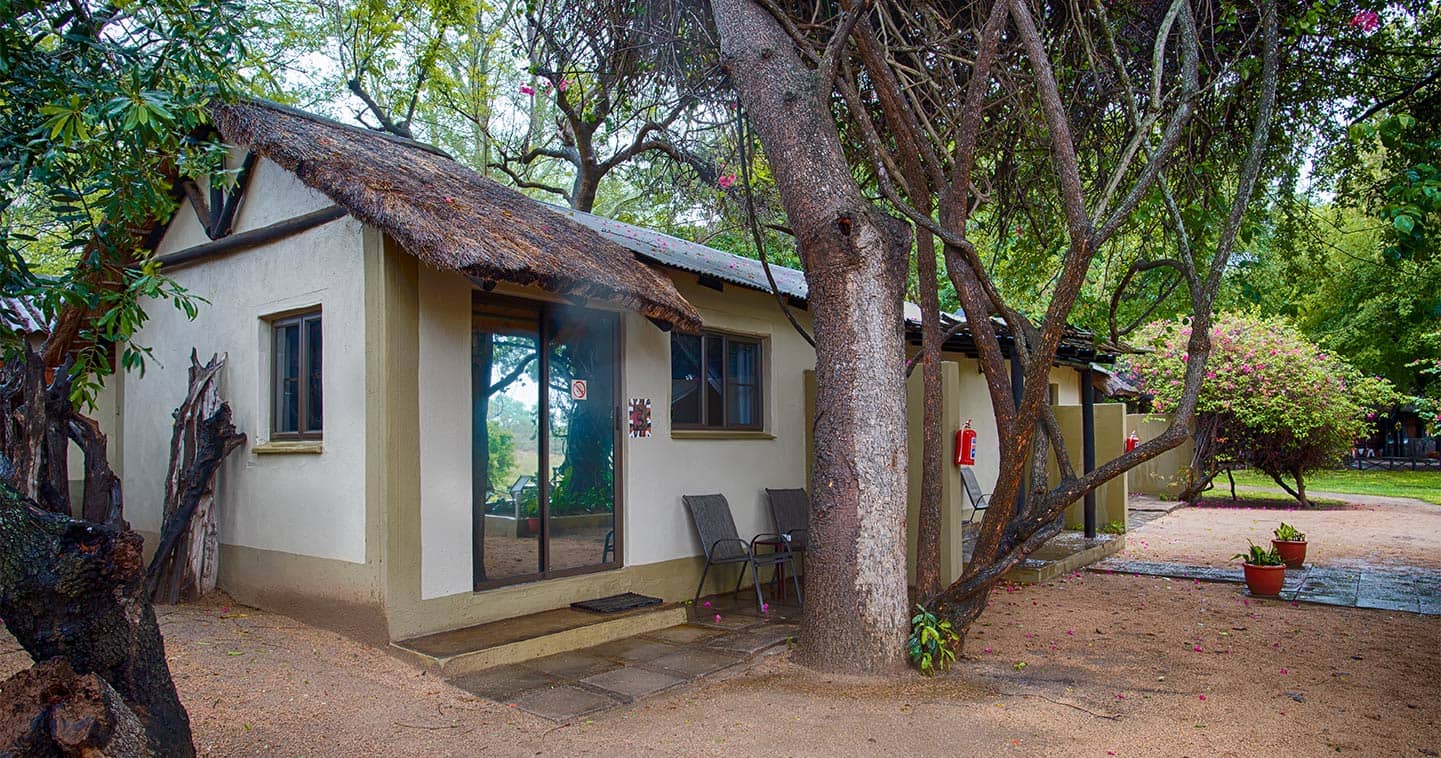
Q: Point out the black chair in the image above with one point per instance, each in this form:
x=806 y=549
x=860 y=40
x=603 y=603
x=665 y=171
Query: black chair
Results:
x=716 y=528
x=791 y=512
x=979 y=502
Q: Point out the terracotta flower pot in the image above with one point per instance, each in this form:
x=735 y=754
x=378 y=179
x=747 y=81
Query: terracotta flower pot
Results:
x=1264 y=581
x=1293 y=552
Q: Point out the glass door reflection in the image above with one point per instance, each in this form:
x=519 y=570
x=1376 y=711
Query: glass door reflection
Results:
x=545 y=404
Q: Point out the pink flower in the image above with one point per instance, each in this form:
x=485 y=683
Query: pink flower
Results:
x=717 y=618
x=1284 y=671
x=765 y=607
x=726 y=181
x=1203 y=697
x=526 y=89
x=564 y=85
x=1197 y=648
x=988 y=650
x=706 y=604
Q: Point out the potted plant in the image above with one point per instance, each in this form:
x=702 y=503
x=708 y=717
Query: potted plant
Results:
x=1290 y=544
x=1264 y=570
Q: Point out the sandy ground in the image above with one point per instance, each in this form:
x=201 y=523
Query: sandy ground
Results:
x=1382 y=531
x=1113 y=665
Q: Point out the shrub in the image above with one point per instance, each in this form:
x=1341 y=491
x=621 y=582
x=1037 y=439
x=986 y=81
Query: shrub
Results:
x=933 y=642
x=1270 y=398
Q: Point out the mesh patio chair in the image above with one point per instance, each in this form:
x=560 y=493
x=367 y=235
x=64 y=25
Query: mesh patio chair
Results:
x=716 y=528
x=791 y=511
x=979 y=502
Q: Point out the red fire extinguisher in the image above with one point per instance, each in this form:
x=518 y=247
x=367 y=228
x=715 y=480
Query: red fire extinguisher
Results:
x=966 y=445
x=1131 y=441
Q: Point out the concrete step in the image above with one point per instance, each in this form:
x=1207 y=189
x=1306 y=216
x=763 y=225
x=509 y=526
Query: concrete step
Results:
x=523 y=638
x=1064 y=553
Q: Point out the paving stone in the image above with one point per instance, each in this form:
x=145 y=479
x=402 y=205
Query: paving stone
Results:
x=1329 y=587
x=575 y=664
x=633 y=682
x=706 y=617
x=693 y=662
x=1387 y=592
x=564 y=703
x=684 y=634
x=633 y=649
x=754 y=640
x=502 y=683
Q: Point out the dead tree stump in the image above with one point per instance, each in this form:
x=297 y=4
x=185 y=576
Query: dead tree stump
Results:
x=184 y=566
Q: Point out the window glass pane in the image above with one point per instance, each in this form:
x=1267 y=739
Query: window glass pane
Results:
x=313 y=407
x=287 y=378
x=714 y=380
x=743 y=359
x=583 y=404
x=684 y=379
x=505 y=442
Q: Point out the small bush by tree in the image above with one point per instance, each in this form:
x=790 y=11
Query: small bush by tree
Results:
x=1270 y=399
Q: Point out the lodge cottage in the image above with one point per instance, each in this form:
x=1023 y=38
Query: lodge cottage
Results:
x=426 y=363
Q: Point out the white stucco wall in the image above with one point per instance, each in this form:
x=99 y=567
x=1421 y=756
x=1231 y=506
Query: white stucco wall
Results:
x=310 y=504
x=975 y=404
x=660 y=469
x=1068 y=385
x=445 y=470
x=655 y=471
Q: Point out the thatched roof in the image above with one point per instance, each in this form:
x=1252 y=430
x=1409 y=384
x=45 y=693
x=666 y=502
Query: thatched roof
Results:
x=22 y=316
x=449 y=216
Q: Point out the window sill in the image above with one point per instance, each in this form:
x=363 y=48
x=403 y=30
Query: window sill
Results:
x=289 y=447
x=720 y=434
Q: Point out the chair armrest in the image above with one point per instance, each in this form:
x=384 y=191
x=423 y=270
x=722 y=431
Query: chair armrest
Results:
x=983 y=503
x=711 y=550
x=765 y=535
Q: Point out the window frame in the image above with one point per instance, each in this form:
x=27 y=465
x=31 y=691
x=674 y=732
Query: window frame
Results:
x=762 y=381
x=298 y=319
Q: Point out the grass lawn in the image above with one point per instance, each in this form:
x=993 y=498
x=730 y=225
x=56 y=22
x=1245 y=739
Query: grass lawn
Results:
x=1423 y=485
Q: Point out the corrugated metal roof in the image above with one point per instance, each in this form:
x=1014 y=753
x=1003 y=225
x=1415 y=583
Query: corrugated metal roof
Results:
x=690 y=256
x=22 y=316
x=665 y=250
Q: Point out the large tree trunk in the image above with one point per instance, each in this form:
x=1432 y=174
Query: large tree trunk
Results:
x=71 y=589
x=855 y=262
x=52 y=711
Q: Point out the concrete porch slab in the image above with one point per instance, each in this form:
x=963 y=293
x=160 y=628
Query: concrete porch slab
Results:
x=524 y=638
x=1064 y=553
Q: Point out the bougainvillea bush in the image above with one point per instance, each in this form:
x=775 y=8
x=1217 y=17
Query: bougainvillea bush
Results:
x=1270 y=399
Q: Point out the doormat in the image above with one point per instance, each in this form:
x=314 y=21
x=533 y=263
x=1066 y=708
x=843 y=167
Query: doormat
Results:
x=616 y=603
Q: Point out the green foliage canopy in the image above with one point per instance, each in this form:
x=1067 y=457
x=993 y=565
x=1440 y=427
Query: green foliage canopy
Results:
x=102 y=109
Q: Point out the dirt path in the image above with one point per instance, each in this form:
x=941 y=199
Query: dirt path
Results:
x=1369 y=529
x=1111 y=667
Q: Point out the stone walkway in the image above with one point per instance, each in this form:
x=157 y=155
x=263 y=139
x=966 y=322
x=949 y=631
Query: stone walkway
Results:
x=1392 y=588
x=723 y=632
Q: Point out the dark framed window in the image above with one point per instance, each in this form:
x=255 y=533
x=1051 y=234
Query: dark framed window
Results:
x=296 y=408
x=715 y=381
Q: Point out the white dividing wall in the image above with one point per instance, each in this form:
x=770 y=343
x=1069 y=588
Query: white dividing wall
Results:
x=311 y=504
x=445 y=509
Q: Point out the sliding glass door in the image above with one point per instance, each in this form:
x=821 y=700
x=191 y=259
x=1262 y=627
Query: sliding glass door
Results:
x=544 y=426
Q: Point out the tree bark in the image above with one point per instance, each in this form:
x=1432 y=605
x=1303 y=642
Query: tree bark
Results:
x=189 y=571
x=71 y=589
x=855 y=262
x=215 y=437
x=52 y=711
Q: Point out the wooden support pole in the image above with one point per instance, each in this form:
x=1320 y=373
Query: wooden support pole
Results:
x=1088 y=445
x=255 y=237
